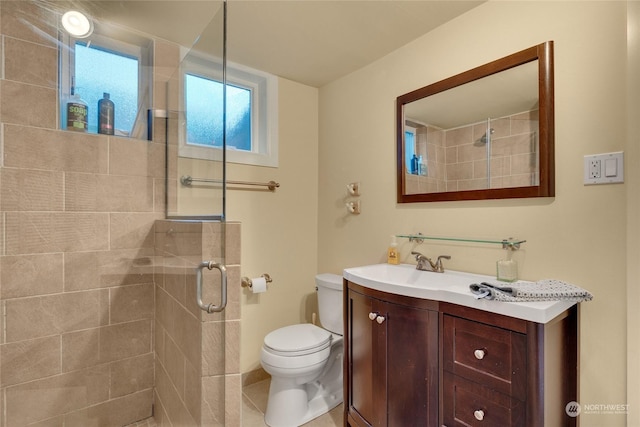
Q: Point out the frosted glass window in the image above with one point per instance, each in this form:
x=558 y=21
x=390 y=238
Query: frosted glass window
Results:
x=98 y=71
x=251 y=112
x=204 y=113
x=115 y=62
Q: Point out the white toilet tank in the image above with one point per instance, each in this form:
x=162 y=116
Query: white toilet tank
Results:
x=330 y=302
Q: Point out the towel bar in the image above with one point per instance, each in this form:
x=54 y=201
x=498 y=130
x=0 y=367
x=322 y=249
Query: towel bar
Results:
x=187 y=180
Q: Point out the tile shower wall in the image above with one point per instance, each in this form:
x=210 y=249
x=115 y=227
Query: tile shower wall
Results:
x=457 y=158
x=78 y=313
x=197 y=354
x=76 y=249
x=76 y=285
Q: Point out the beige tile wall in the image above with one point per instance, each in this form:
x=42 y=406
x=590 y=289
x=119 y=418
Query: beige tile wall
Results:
x=456 y=161
x=76 y=280
x=197 y=354
x=86 y=336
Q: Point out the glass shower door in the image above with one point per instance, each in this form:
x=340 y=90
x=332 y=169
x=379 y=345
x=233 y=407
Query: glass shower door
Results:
x=191 y=319
x=196 y=114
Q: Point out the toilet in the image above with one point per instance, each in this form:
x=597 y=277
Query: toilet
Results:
x=305 y=362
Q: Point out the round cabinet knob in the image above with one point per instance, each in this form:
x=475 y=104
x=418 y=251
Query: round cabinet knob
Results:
x=380 y=319
x=479 y=414
x=372 y=316
x=479 y=354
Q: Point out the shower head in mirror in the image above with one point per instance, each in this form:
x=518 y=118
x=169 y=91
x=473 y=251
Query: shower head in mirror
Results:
x=484 y=139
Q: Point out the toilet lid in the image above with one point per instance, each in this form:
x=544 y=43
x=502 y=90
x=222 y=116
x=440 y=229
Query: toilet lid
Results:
x=296 y=340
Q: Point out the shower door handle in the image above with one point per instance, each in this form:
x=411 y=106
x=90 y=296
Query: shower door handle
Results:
x=210 y=308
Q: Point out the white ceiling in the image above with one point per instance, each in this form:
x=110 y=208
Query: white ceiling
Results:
x=309 y=41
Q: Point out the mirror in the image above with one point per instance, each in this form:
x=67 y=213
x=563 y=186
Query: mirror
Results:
x=486 y=133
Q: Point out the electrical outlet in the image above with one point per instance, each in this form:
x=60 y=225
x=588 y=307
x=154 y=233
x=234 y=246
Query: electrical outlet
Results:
x=605 y=168
x=595 y=168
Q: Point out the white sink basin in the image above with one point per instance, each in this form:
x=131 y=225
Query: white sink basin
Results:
x=450 y=286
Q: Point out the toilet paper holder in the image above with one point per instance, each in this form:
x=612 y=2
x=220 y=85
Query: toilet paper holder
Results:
x=246 y=282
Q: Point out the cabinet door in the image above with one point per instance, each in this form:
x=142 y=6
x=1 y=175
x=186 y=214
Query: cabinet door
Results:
x=393 y=363
x=362 y=359
x=411 y=366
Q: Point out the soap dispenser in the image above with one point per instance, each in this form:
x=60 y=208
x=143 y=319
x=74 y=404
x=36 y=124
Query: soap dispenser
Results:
x=76 y=112
x=393 y=256
x=507 y=269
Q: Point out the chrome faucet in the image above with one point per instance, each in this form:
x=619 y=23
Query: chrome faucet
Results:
x=425 y=264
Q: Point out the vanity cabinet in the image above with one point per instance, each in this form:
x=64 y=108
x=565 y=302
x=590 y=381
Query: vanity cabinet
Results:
x=418 y=362
x=393 y=364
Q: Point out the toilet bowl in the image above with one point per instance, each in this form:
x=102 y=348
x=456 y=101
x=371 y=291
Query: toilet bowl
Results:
x=305 y=362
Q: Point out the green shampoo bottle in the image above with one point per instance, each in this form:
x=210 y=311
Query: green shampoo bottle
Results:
x=77 y=113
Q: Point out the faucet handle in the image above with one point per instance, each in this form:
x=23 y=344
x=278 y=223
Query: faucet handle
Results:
x=418 y=255
x=439 y=268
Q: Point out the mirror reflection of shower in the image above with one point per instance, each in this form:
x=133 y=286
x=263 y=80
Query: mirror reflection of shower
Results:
x=486 y=141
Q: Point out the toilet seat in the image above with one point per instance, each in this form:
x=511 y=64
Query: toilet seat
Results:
x=296 y=347
x=297 y=340
x=306 y=361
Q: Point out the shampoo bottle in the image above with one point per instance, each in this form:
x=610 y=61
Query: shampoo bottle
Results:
x=414 y=165
x=507 y=269
x=106 y=115
x=77 y=111
x=393 y=256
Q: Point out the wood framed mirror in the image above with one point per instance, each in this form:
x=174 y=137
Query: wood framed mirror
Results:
x=487 y=133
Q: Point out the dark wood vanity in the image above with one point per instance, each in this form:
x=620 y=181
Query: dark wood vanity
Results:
x=419 y=362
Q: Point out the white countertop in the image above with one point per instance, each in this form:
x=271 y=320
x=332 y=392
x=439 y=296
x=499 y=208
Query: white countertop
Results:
x=450 y=286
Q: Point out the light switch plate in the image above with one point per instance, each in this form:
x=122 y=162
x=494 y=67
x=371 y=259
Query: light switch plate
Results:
x=605 y=168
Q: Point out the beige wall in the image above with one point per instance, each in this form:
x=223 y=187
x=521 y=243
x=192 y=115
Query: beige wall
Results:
x=633 y=214
x=578 y=236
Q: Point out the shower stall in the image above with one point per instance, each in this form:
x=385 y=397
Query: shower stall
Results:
x=102 y=246
x=497 y=152
x=510 y=147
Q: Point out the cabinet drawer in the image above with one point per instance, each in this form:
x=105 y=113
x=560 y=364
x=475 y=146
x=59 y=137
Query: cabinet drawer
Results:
x=485 y=354
x=470 y=404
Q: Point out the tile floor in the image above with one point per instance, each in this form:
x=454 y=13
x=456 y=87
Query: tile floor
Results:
x=149 y=422
x=254 y=403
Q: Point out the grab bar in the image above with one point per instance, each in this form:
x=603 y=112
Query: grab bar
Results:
x=210 y=308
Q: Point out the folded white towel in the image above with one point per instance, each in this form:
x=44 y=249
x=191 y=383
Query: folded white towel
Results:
x=521 y=291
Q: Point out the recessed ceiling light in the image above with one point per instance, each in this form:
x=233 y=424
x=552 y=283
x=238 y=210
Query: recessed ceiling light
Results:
x=77 y=24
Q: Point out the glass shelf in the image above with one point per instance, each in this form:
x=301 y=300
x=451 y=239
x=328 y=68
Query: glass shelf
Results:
x=510 y=243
